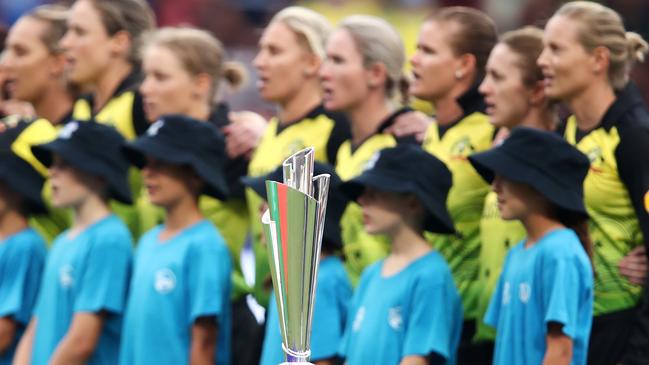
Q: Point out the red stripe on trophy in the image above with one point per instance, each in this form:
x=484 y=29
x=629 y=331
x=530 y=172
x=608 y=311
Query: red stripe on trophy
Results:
x=282 y=198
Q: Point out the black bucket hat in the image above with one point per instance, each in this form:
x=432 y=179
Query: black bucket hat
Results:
x=181 y=140
x=336 y=200
x=409 y=169
x=93 y=148
x=542 y=160
x=19 y=169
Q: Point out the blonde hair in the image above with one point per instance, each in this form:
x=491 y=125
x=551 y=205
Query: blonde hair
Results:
x=312 y=29
x=134 y=17
x=603 y=27
x=378 y=42
x=56 y=18
x=198 y=52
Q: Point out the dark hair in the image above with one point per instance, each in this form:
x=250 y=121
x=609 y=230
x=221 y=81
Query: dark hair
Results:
x=3 y=36
x=527 y=43
x=476 y=35
x=577 y=223
x=134 y=17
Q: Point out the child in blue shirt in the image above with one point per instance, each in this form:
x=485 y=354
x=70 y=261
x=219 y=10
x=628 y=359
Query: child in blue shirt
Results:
x=542 y=306
x=406 y=309
x=22 y=250
x=179 y=307
x=333 y=290
x=78 y=314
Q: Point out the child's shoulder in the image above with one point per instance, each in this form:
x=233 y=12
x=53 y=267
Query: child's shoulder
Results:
x=110 y=231
x=26 y=242
x=111 y=226
x=562 y=244
x=432 y=267
x=332 y=272
x=205 y=236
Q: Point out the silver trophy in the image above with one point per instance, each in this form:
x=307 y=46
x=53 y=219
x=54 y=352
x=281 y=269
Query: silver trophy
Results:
x=293 y=226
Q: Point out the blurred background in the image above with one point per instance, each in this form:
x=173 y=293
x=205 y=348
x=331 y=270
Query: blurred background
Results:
x=238 y=24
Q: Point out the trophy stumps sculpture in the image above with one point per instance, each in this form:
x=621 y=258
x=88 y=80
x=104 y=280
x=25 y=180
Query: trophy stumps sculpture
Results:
x=293 y=226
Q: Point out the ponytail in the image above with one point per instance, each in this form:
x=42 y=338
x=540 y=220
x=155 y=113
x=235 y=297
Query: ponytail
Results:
x=403 y=89
x=234 y=74
x=637 y=47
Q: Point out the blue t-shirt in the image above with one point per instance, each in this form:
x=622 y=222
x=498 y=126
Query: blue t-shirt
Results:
x=174 y=283
x=333 y=293
x=416 y=311
x=22 y=257
x=551 y=281
x=88 y=273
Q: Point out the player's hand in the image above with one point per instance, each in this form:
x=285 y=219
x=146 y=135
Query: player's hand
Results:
x=634 y=266
x=243 y=133
x=413 y=123
x=17 y=107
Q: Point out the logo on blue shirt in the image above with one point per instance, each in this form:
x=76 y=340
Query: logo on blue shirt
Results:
x=395 y=319
x=524 y=292
x=165 y=281
x=358 y=320
x=507 y=296
x=66 y=277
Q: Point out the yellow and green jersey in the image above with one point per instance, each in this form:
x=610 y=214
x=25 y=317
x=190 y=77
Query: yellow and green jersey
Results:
x=29 y=134
x=320 y=129
x=496 y=237
x=614 y=192
x=125 y=112
x=229 y=216
x=452 y=144
x=359 y=247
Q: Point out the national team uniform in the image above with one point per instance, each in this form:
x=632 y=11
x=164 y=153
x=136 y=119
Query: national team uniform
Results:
x=320 y=129
x=497 y=237
x=614 y=192
x=360 y=248
x=229 y=216
x=551 y=281
x=333 y=292
x=22 y=257
x=416 y=311
x=87 y=273
x=32 y=133
x=453 y=144
x=174 y=283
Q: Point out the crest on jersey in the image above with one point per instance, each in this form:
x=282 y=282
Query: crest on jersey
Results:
x=372 y=161
x=154 y=128
x=68 y=130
